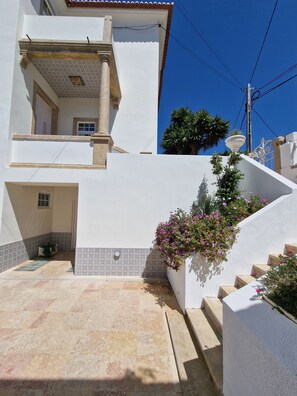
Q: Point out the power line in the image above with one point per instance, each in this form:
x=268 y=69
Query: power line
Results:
x=210 y=46
x=242 y=121
x=263 y=42
x=264 y=122
x=239 y=111
x=200 y=60
x=278 y=76
x=260 y=95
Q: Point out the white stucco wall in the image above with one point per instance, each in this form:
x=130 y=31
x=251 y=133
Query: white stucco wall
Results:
x=135 y=124
x=62 y=208
x=260 y=347
x=21 y=218
x=70 y=108
x=11 y=18
x=122 y=206
x=52 y=152
x=288 y=153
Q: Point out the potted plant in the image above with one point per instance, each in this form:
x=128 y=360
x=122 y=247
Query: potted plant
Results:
x=47 y=250
x=235 y=141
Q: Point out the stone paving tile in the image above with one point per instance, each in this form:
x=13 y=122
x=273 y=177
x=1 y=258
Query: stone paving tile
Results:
x=66 y=335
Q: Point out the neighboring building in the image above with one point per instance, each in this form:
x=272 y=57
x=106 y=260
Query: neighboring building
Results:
x=79 y=79
x=288 y=157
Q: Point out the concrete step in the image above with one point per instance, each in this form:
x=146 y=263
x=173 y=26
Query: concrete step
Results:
x=193 y=373
x=209 y=345
x=243 y=280
x=291 y=247
x=260 y=270
x=274 y=259
x=226 y=290
x=214 y=311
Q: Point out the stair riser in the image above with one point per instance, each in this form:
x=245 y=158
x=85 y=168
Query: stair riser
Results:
x=214 y=321
x=291 y=248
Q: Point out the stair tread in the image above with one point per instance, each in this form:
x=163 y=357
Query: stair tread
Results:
x=291 y=246
x=208 y=343
x=193 y=374
x=244 y=279
x=261 y=269
x=226 y=290
x=214 y=304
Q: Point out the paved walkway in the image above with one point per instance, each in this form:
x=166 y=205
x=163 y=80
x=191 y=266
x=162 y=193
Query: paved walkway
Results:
x=67 y=335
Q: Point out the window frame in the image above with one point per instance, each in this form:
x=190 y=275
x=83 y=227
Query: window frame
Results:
x=44 y=197
x=86 y=120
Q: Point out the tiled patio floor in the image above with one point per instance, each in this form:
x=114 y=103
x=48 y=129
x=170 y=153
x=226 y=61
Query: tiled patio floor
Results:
x=67 y=335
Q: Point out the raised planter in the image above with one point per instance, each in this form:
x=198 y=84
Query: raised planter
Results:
x=48 y=250
x=279 y=309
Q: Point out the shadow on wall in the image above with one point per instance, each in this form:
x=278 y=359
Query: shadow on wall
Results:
x=154 y=266
x=203 y=269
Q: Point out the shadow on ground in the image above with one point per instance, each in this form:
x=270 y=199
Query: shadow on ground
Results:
x=129 y=384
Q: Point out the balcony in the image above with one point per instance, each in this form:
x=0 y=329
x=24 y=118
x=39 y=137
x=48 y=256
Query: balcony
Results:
x=60 y=151
x=58 y=28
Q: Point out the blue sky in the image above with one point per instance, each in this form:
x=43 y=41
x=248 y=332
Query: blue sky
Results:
x=236 y=29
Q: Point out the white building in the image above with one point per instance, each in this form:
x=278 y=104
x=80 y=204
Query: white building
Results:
x=79 y=79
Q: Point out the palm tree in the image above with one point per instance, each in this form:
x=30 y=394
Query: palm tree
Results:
x=190 y=132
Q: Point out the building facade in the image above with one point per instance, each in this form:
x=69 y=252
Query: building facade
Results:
x=80 y=83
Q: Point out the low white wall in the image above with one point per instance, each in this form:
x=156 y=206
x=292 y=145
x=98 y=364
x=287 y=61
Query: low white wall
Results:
x=260 y=347
x=177 y=281
x=63 y=28
x=52 y=152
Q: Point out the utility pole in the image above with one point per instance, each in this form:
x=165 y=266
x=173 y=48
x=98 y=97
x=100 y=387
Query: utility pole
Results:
x=248 y=119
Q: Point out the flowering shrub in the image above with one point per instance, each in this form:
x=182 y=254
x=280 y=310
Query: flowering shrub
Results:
x=280 y=284
x=184 y=234
x=237 y=210
x=172 y=238
x=210 y=228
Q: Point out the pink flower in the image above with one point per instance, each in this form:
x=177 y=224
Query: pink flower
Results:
x=258 y=291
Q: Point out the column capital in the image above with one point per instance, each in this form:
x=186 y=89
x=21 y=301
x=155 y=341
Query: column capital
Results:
x=25 y=58
x=104 y=58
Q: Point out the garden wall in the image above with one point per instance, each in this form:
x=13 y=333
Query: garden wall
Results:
x=260 y=347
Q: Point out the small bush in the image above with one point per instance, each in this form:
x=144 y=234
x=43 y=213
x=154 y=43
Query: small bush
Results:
x=280 y=284
x=184 y=234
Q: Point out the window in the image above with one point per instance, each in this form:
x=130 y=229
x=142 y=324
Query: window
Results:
x=43 y=200
x=86 y=128
x=46 y=8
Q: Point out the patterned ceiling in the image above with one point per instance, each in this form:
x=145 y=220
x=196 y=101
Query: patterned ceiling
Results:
x=57 y=72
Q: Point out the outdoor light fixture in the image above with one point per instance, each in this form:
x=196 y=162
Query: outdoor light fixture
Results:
x=77 y=81
x=117 y=254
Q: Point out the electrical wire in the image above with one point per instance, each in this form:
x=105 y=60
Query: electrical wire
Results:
x=239 y=111
x=264 y=122
x=263 y=42
x=242 y=121
x=144 y=27
x=260 y=95
x=278 y=76
x=200 y=60
x=210 y=46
